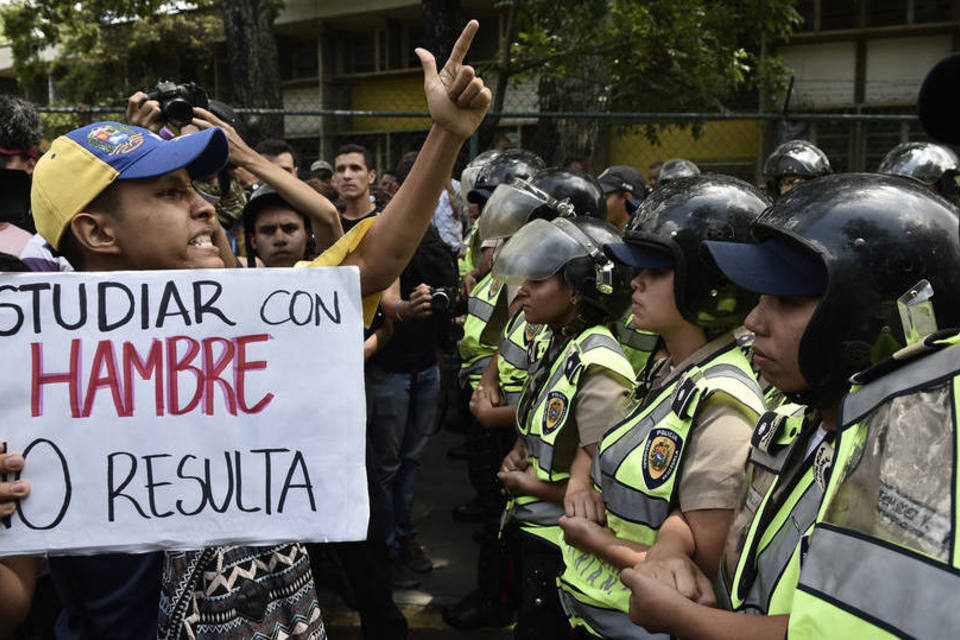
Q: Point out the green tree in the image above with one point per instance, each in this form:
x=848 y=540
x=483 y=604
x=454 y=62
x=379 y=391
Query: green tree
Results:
x=107 y=49
x=104 y=50
x=638 y=55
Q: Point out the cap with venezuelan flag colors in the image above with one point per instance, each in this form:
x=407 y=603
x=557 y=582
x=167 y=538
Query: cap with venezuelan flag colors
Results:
x=82 y=163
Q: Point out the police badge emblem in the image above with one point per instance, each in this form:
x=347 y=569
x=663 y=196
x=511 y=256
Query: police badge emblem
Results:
x=529 y=333
x=660 y=456
x=554 y=412
x=494 y=290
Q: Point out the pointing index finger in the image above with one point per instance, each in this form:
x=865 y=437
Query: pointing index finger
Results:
x=462 y=45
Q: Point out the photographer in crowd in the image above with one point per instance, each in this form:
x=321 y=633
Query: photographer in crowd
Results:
x=403 y=385
x=325 y=222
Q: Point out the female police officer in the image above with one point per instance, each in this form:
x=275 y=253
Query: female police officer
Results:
x=833 y=259
x=576 y=387
x=685 y=440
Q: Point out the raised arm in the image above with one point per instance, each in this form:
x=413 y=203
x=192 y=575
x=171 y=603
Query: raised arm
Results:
x=457 y=100
x=324 y=218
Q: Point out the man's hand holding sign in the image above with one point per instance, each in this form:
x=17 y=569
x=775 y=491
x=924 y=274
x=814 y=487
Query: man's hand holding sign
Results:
x=153 y=422
x=173 y=409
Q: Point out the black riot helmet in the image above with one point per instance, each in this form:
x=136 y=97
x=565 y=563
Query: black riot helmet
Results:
x=509 y=165
x=794 y=158
x=873 y=238
x=930 y=164
x=468 y=177
x=577 y=187
x=550 y=193
x=667 y=231
x=676 y=168
x=572 y=247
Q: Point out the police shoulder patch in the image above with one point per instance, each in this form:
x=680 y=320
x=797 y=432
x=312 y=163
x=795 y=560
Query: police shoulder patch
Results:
x=661 y=453
x=555 y=411
x=494 y=290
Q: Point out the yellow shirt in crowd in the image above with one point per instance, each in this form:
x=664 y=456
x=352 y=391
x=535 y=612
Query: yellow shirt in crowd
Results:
x=338 y=252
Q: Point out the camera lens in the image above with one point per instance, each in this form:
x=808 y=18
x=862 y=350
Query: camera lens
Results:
x=439 y=300
x=178 y=112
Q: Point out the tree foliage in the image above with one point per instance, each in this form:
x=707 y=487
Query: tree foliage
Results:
x=106 y=49
x=642 y=55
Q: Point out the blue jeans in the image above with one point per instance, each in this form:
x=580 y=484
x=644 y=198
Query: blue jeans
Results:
x=401 y=416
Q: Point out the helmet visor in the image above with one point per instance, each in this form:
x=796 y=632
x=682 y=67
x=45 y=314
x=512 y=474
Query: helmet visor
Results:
x=509 y=208
x=536 y=252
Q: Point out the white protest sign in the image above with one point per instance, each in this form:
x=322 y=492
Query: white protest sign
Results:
x=182 y=409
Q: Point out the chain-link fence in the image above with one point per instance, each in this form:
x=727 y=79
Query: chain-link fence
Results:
x=735 y=144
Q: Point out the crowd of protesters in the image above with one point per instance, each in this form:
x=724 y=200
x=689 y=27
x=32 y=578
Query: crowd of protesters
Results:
x=684 y=398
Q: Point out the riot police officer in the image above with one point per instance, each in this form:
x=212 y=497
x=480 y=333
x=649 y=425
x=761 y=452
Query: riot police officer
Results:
x=577 y=387
x=550 y=193
x=791 y=163
x=932 y=165
x=676 y=168
x=686 y=436
x=832 y=262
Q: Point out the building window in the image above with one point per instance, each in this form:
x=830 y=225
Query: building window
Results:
x=358 y=51
x=934 y=11
x=886 y=13
x=297 y=58
x=415 y=37
x=808 y=13
x=838 y=14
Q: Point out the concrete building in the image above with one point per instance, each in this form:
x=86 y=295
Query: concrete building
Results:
x=358 y=55
x=850 y=56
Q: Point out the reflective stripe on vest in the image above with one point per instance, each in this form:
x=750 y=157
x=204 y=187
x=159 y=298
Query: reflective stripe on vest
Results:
x=631 y=503
x=606 y=623
x=772 y=561
x=630 y=336
x=514 y=357
x=480 y=309
x=474 y=369
x=534 y=516
x=924 y=371
x=595 y=346
x=474 y=353
x=511 y=397
x=539 y=512
x=897 y=590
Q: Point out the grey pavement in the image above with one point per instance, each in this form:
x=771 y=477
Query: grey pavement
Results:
x=441 y=486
